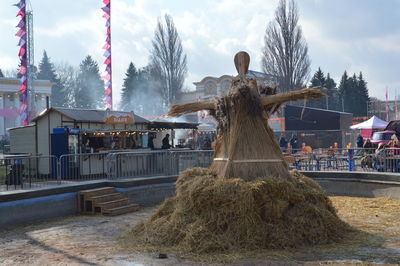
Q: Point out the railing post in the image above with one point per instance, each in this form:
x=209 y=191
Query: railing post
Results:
x=58 y=161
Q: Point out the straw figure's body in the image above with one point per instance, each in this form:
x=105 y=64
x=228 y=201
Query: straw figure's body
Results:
x=245 y=145
x=247 y=201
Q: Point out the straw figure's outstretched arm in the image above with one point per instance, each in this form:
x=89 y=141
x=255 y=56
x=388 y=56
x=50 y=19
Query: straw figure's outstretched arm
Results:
x=308 y=93
x=180 y=109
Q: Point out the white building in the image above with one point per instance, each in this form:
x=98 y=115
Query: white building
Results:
x=210 y=87
x=10 y=103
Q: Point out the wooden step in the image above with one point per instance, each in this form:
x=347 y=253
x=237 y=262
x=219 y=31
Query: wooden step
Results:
x=97 y=191
x=106 y=197
x=120 y=210
x=113 y=203
x=85 y=205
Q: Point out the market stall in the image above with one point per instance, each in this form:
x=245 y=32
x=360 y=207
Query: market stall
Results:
x=369 y=126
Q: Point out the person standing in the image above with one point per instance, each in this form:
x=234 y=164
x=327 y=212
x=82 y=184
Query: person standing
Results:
x=150 y=142
x=165 y=142
x=294 y=143
x=283 y=143
x=360 y=141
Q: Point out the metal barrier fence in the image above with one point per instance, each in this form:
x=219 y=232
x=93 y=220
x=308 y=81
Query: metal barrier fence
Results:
x=28 y=172
x=155 y=163
x=349 y=159
x=41 y=171
x=84 y=166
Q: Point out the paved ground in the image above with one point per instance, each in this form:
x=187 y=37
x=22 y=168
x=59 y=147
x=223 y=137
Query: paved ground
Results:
x=91 y=240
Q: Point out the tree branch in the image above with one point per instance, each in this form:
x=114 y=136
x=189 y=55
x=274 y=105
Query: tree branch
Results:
x=308 y=93
x=180 y=109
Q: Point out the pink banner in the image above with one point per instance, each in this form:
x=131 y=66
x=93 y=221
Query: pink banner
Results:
x=107 y=54
x=23 y=89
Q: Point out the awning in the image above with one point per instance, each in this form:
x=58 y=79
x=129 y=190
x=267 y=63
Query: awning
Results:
x=373 y=122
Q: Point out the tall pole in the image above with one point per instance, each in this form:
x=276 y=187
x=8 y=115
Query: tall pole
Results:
x=387 y=105
x=23 y=55
x=395 y=106
x=107 y=54
x=31 y=64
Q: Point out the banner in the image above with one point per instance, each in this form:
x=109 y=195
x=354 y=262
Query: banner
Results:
x=107 y=54
x=121 y=118
x=23 y=89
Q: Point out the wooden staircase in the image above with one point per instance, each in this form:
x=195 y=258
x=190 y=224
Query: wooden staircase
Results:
x=105 y=201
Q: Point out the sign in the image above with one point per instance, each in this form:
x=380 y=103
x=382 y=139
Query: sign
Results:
x=119 y=118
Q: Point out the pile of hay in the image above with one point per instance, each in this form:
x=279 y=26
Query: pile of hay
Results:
x=210 y=214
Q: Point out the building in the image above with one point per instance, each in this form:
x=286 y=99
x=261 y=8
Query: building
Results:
x=378 y=108
x=10 y=103
x=316 y=127
x=82 y=138
x=210 y=87
x=58 y=131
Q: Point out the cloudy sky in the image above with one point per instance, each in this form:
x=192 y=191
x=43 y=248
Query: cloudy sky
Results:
x=352 y=35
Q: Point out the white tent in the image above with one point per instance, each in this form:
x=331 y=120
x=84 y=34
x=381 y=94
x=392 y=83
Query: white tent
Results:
x=373 y=122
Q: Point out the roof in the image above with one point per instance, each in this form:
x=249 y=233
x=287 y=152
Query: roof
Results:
x=16 y=81
x=13 y=128
x=373 y=122
x=173 y=125
x=86 y=115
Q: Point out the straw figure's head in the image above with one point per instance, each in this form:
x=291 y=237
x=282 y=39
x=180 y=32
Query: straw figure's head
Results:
x=242 y=84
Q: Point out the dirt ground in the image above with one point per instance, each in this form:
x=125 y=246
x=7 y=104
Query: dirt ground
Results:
x=92 y=240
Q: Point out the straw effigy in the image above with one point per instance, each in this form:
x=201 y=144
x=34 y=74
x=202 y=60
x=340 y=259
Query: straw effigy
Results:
x=247 y=199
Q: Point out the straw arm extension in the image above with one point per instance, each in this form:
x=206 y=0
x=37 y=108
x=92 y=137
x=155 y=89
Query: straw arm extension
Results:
x=308 y=93
x=180 y=109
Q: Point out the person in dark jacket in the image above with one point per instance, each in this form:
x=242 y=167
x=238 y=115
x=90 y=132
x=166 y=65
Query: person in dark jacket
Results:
x=360 y=141
x=283 y=143
x=150 y=143
x=165 y=142
x=294 y=144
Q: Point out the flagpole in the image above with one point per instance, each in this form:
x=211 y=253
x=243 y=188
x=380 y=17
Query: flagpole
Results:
x=395 y=104
x=387 y=106
x=107 y=54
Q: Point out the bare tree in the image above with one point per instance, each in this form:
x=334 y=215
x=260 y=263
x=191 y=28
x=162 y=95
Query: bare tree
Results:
x=168 y=61
x=285 y=52
x=68 y=76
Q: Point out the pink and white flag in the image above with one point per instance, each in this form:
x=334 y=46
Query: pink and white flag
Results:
x=23 y=89
x=107 y=54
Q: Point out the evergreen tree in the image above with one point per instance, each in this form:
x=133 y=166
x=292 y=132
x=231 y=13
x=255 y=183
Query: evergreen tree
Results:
x=318 y=80
x=343 y=90
x=362 y=96
x=141 y=97
x=332 y=94
x=1 y=74
x=128 y=87
x=354 y=94
x=351 y=103
x=47 y=72
x=89 y=92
